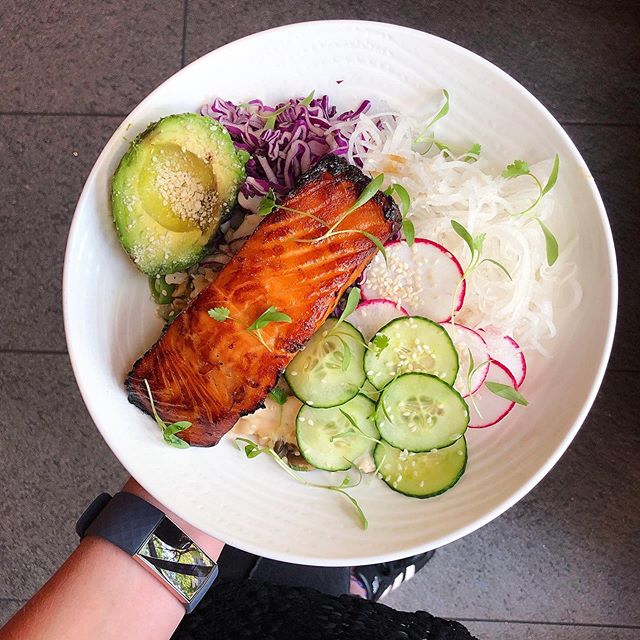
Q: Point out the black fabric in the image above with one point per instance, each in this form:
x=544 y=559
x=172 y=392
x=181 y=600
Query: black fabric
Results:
x=254 y=610
x=333 y=581
x=237 y=565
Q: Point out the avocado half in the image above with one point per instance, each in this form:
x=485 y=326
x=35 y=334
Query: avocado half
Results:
x=172 y=189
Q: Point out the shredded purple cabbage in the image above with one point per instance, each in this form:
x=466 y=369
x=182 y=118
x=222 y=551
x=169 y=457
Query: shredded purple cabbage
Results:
x=286 y=147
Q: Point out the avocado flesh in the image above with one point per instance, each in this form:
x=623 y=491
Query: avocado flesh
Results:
x=175 y=185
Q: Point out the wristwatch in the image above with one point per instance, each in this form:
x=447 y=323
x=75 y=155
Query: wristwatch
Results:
x=151 y=539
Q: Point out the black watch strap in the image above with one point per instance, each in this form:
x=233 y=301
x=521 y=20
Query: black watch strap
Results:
x=153 y=540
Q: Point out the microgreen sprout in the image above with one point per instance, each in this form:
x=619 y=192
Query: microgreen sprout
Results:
x=353 y=300
x=408 y=229
x=427 y=135
x=252 y=450
x=169 y=430
x=475 y=245
x=269 y=204
x=307 y=101
x=507 y=392
x=265 y=318
x=520 y=168
x=354 y=424
x=220 y=314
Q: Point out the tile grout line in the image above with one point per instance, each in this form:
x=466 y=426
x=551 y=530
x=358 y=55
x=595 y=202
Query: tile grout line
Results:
x=597 y=625
x=100 y=114
x=185 y=8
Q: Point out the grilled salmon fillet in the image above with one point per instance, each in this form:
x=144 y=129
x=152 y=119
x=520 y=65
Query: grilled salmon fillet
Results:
x=211 y=373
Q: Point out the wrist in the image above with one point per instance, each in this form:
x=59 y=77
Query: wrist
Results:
x=210 y=545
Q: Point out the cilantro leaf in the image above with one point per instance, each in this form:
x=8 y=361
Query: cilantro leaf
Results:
x=380 y=342
x=515 y=169
x=267 y=204
x=507 y=392
x=168 y=430
x=278 y=395
x=220 y=314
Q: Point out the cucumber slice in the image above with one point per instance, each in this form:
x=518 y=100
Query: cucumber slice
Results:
x=419 y=412
x=415 y=344
x=328 y=440
x=318 y=376
x=421 y=475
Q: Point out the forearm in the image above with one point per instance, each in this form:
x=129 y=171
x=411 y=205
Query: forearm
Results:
x=100 y=592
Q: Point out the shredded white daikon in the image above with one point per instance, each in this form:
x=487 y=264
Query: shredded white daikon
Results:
x=444 y=188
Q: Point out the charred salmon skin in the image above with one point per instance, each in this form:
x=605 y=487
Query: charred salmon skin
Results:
x=210 y=372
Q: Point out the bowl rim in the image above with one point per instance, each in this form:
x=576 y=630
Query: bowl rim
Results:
x=544 y=468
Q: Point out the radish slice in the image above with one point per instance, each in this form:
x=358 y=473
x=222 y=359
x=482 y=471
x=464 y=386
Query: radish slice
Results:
x=506 y=350
x=371 y=315
x=465 y=340
x=423 y=278
x=486 y=408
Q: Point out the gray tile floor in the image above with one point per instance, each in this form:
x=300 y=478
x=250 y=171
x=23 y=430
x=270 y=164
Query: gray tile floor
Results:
x=563 y=563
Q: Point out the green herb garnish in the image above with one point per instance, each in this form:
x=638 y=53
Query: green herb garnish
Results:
x=507 y=392
x=251 y=450
x=169 y=430
x=267 y=204
x=472 y=153
x=380 y=342
x=353 y=300
x=307 y=101
x=475 y=245
x=408 y=229
x=278 y=395
x=426 y=136
x=220 y=314
x=265 y=318
x=520 y=168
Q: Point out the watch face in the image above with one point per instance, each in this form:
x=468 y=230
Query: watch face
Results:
x=173 y=556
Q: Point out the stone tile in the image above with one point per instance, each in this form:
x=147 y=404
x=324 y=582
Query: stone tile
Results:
x=41 y=183
x=577 y=58
x=523 y=631
x=100 y=56
x=569 y=551
x=53 y=462
x=8 y=607
x=613 y=156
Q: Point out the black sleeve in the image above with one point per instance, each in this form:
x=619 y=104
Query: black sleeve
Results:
x=254 y=610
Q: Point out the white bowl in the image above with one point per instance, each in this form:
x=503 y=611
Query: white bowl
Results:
x=252 y=504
